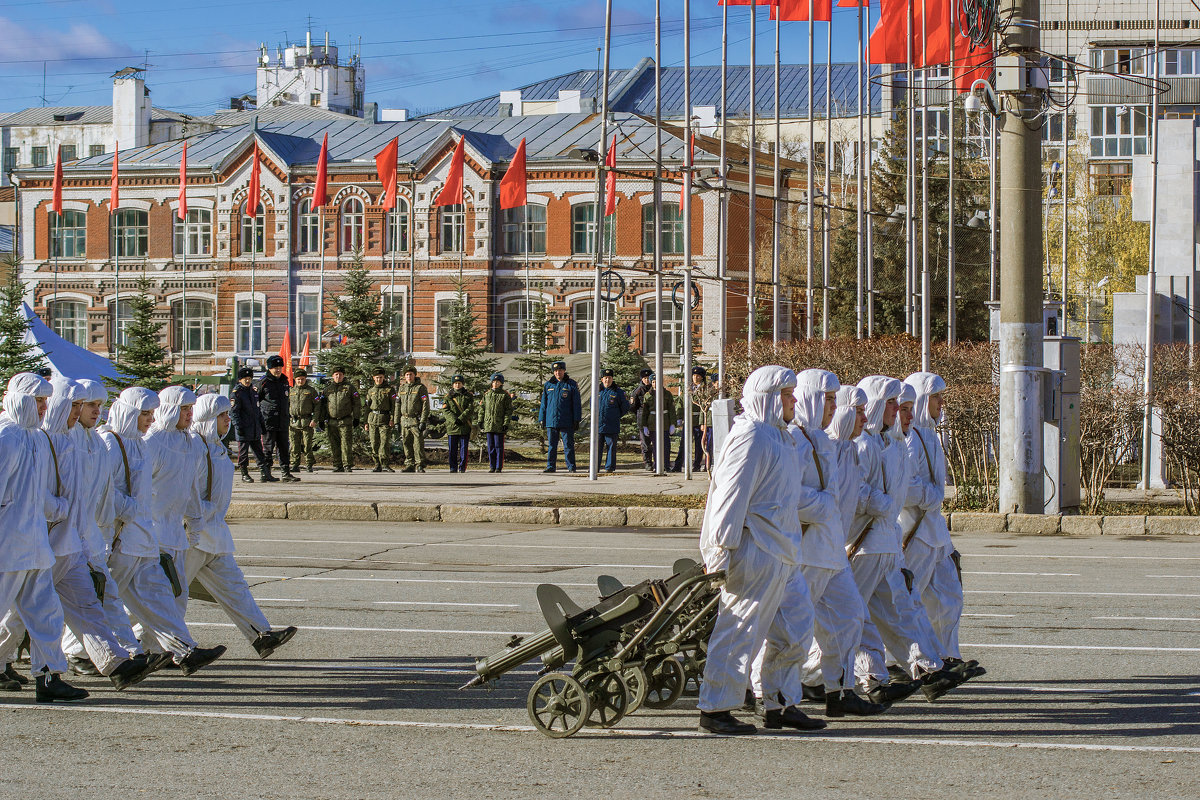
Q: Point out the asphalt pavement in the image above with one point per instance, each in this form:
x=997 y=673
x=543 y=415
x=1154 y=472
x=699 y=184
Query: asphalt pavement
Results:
x=1092 y=647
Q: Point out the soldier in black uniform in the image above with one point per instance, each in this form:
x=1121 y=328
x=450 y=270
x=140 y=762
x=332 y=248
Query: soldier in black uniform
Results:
x=641 y=395
x=275 y=405
x=248 y=426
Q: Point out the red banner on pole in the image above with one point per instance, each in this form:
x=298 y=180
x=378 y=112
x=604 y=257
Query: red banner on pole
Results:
x=513 y=185
x=452 y=192
x=385 y=163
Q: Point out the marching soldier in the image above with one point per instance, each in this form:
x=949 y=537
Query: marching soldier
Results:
x=304 y=399
x=381 y=410
x=496 y=412
x=459 y=410
x=412 y=406
x=338 y=412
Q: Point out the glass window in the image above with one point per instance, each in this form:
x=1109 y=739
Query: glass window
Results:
x=1111 y=178
x=671 y=234
x=131 y=228
x=11 y=156
x=68 y=153
x=308 y=235
x=583 y=230
x=193 y=331
x=194 y=235
x=249 y=326
x=120 y=317
x=41 y=156
x=443 y=311
x=254 y=231
x=672 y=328
x=1119 y=131
x=525 y=230
x=1181 y=62
x=95 y=150
x=68 y=235
x=1120 y=60
x=70 y=321
x=453 y=223
x=308 y=307
x=352 y=225
x=582 y=327
x=392 y=304
x=517 y=314
x=397 y=226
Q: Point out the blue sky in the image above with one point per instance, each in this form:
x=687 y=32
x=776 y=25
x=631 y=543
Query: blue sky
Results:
x=418 y=55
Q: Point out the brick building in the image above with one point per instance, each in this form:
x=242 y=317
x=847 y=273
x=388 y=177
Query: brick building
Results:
x=247 y=280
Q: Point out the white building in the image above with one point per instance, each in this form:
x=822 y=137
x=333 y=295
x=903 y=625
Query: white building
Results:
x=311 y=75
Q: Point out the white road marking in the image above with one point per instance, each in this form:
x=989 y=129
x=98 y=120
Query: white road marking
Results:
x=279 y=600
x=1192 y=577
x=988 y=615
x=556 y=567
x=465 y=605
x=1010 y=646
x=636 y=734
x=1081 y=594
x=1081 y=557
x=326 y=578
x=377 y=630
x=501 y=545
x=1029 y=574
x=1155 y=619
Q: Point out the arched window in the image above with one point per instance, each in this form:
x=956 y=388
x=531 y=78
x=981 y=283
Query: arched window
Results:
x=192 y=332
x=453 y=228
x=525 y=230
x=352 y=225
x=672 y=328
x=308 y=232
x=120 y=317
x=583 y=230
x=671 y=232
x=254 y=231
x=194 y=235
x=131 y=229
x=582 y=325
x=70 y=320
x=68 y=235
x=517 y=317
x=397 y=226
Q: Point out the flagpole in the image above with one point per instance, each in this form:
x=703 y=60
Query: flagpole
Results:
x=660 y=445
x=859 y=162
x=116 y=288
x=687 y=441
x=751 y=281
x=321 y=279
x=809 y=295
x=951 y=311
x=594 y=393
x=865 y=55
x=58 y=246
x=776 y=328
x=253 y=270
x=926 y=285
x=825 y=221
x=723 y=200
x=1066 y=156
x=910 y=186
x=183 y=323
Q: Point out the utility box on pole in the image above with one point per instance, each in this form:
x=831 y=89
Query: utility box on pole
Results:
x=1061 y=439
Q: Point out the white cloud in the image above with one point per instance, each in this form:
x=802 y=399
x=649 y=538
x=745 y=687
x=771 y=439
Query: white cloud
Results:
x=77 y=42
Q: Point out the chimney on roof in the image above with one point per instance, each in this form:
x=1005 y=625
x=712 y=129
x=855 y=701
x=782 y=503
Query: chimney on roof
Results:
x=371 y=112
x=512 y=99
x=131 y=110
x=569 y=101
x=705 y=119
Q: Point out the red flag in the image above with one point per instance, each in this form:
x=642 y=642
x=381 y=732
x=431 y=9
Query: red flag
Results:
x=304 y=354
x=746 y=2
x=513 y=184
x=973 y=66
x=56 y=196
x=114 y=196
x=797 y=10
x=891 y=33
x=183 y=183
x=285 y=352
x=937 y=45
x=853 y=3
x=610 y=182
x=683 y=190
x=385 y=163
x=254 y=192
x=452 y=192
x=320 y=196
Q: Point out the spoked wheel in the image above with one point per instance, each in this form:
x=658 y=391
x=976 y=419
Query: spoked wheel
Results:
x=665 y=680
x=558 y=705
x=609 y=697
x=693 y=670
x=635 y=679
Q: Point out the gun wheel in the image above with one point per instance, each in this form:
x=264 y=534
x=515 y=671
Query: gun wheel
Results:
x=635 y=679
x=693 y=670
x=609 y=695
x=558 y=705
x=665 y=680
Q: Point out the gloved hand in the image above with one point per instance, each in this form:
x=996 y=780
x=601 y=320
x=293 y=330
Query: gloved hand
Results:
x=671 y=431
x=646 y=431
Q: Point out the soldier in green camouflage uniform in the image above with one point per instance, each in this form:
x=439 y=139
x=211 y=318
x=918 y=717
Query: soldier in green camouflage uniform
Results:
x=302 y=412
x=381 y=410
x=339 y=412
x=412 y=408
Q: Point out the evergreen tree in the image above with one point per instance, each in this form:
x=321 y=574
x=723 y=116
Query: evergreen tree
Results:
x=16 y=354
x=627 y=365
x=534 y=366
x=467 y=353
x=366 y=343
x=143 y=358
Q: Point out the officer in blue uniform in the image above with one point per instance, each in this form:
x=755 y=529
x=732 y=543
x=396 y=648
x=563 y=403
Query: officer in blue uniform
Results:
x=613 y=405
x=560 y=411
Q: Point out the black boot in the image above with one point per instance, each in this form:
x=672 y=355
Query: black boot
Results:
x=967 y=669
x=288 y=477
x=936 y=684
x=791 y=717
x=157 y=661
x=893 y=692
x=839 y=704
x=267 y=477
x=814 y=693
x=246 y=476
x=200 y=657
x=267 y=643
x=12 y=675
x=9 y=686
x=53 y=689
x=82 y=665
x=752 y=703
x=725 y=724
x=132 y=670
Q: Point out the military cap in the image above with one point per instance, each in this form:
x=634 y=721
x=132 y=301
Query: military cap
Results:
x=245 y=372
x=44 y=372
x=274 y=361
x=379 y=371
x=410 y=368
x=301 y=373
x=337 y=368
x=499 y=376
x=458 y=379
x=608 y=373
x=646 y=373
x=558 y=365
x=703 y=373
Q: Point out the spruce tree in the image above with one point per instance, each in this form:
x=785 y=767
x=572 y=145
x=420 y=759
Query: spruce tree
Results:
x=627 y=365
x=467 y=354
x=366 y=343
x=534 y=367
x=16 y=354
x=143 y=358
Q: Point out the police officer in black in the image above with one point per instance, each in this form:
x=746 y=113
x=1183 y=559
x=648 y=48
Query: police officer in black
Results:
x=275 y=405
x=641 y=395
x=248 y=426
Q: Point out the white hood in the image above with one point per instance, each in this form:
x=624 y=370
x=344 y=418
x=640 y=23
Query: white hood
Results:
x=58 y=409
x=925 y=384
x=760 y=395
x=849 y=398
x=122 y=417
x=879 y=389
x=93 y=391
x=204 y=418
x=20 y=403
x=171 y=399
x=811 y=386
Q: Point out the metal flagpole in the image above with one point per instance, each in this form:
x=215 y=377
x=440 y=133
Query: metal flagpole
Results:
x=1152 y=266
x=859 y=166
x=686 y=439
x=825 y=221
x=184 y=320
x=116 y=288
x=253 y=271
x=926 y=281
x=660 y=444
x=723 y=200
x=809 y=296
x=394 y=243
x=751 y=317
x=992 y=211
x=57 y=247
x=776 y=329
x=321 y=279
x=865 y=55
x=910 y=139
x=1066 y=154
x=594 y=436
x=951 y=291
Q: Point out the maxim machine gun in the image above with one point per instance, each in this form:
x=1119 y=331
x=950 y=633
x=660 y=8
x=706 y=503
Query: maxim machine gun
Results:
x=640 y=645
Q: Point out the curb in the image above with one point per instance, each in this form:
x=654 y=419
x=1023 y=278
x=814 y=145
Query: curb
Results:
x=669 y=517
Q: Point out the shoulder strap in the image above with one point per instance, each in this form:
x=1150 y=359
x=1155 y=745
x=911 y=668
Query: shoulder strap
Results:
x=54 y=455
x=124 y=458
x=928 y=461
x=208 y=463
x=816 y=458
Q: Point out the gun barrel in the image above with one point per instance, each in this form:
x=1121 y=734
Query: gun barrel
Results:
x=497 y=664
